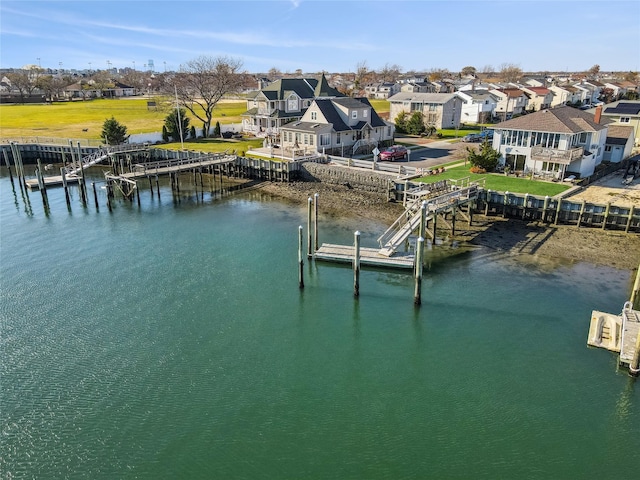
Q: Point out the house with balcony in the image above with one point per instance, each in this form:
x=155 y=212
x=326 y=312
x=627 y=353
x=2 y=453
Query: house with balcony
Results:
x=283 y=101
x=511 y=102
x=341 y=126
x=477 y=106
x=552 y=142
x=539 y=98
x=441 y=110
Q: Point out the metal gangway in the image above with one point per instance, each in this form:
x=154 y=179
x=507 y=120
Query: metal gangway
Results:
x=410 y=219
x=102 y=154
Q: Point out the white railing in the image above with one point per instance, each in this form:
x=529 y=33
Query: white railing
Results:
x=399 y=169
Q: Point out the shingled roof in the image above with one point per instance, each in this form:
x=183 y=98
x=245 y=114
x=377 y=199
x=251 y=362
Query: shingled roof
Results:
x=303 y=87
x=562 y=119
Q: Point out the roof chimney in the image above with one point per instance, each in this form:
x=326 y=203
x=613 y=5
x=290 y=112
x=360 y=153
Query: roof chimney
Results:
x=598 y=114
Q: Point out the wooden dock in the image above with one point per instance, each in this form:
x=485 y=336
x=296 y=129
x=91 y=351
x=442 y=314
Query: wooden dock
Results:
x=368 y=256
x=51 y=181
x=630 y=331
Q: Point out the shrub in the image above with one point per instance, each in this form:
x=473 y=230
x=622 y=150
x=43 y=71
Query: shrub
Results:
x=476 y=169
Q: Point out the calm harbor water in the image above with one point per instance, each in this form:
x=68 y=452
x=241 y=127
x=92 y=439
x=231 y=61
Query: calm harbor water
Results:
x=171 y=340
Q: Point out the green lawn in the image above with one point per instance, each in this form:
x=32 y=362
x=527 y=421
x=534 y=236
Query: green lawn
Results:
x=84 y=119
x=500 y=182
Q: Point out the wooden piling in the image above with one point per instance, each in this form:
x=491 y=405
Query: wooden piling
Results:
x=486 y=203
x=137 y=193
x=63 y=174
x=626 y=229
x=309 y=240
x=95 y=195
x=635 y=292
x=356 y=264
x=423 y=219
x=150 y=185
x=8 y=164
x=453 y=218
x=584 y=203
x=558 y=208
x=606 y=215
x=417 y=294
x=42 y=186
x=505 y=200
x=315 y=221
x=158 y=186
x=300 y=258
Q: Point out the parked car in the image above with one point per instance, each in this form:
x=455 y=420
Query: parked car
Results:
x=472 y=137
x=395 y=152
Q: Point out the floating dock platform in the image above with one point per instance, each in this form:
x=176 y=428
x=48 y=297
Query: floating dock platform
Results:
x=616 y=333
x=368 y=256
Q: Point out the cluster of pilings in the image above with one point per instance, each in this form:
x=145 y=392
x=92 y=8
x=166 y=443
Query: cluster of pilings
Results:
x=312 y=245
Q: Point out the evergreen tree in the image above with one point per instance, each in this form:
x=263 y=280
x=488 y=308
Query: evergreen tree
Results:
x=216 y=130
x=113 y=132
x=401 y=122
x=192 y=132
x=165 y=134
x=486 y=158
x=176 y=119
x=415 y=125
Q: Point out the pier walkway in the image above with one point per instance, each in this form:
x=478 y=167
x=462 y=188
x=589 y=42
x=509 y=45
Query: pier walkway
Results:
x=617 y=333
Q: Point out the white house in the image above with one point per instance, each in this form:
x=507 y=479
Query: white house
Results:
x=477 y=106
x=552 y=142
x=338 y=126
x=511 y=102
x=539 y=98
x=565 y=95
x=442 y=110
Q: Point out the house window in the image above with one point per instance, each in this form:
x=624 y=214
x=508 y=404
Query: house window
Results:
x=314 y=115
x=311 y=139
x=583 y=138
x=364 y=114
x=306 y=139
x=607 y=148
x=625 y=119
x=354 y=114
x=338 y=138
x=325 y=139
x=293 y=104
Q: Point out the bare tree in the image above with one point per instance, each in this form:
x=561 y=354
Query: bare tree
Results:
x=202 y=83
x=437 y=74
x=390 y=73
x=593 y=71
x=362 y=71
x=510 y=72
x=21 y=82
x=488 y=70
x=274 y=73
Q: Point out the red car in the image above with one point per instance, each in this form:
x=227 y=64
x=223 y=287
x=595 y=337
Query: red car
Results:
x=396 y=152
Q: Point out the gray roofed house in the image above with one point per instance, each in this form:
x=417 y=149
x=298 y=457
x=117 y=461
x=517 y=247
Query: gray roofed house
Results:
x=338 y=126
x=625 y=112
x=553 y=142
x=281 y=102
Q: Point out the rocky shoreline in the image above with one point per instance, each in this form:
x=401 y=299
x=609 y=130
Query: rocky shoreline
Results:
x=533 y=241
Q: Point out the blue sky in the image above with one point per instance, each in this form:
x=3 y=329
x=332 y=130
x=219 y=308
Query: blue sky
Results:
x=317 y=35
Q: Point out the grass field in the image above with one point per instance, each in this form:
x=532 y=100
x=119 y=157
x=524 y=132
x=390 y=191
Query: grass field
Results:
x=84 y=119
x=215 y=145
x=500 y=182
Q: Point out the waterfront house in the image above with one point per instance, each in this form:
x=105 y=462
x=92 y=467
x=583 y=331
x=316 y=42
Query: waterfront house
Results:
x=441 y=110
x=627 y=113
x=281 y=102
x=552 y=142
x=619 y=143
x=340 y=126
